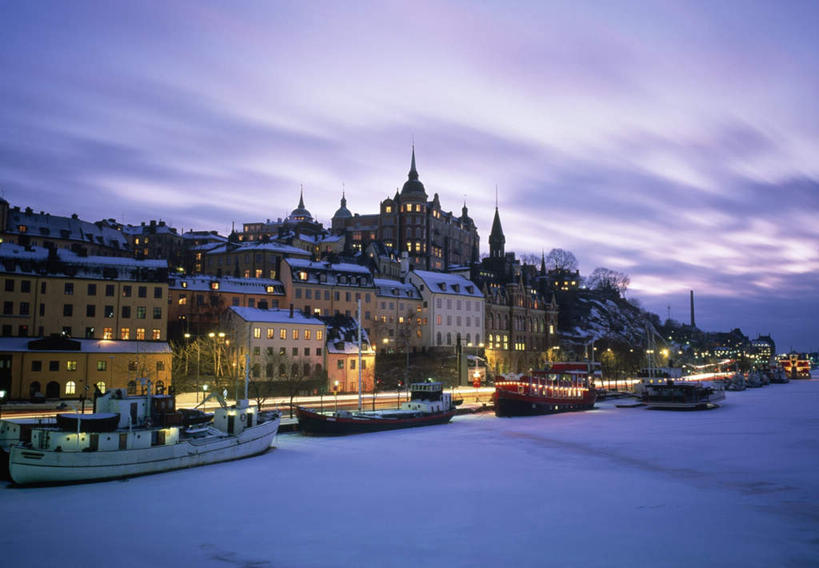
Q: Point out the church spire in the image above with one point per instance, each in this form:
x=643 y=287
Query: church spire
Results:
x=497 y=241
x=301 y=196
x=413 y=173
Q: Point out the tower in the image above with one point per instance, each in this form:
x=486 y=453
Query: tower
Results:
x=497 y=241
x=692 y=309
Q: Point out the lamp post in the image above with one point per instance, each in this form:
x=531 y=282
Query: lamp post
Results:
x=335 y=390
x=204 y=393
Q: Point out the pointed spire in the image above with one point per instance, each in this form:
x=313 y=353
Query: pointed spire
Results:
x=413 y=173
x=542 y=263
x=301 y=196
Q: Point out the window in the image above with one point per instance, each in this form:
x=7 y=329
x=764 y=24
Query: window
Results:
x=140 y=312
x=90 y=310
x=155 y=334
x=8 y=308
x=109 y=311
x=70 y=387
x=102 y=365
x=68 y=289
x=251 y=302
x=67 y=330
x=125 y=333
x=295 y=352
x=68 y=310
x=140 y=334
x=89 y=332
x=53 y=365
x=341 y=364
x=352 y=364
x=257 y=332
x=36 y=366
x=307 y=334
x=295 y=334
x=108 y=333
x=363 y=364
x=132 y=365
x=126 y=311
x=101 y=386
x=126 y=291
x=70 y=365
x=183 y=300
x=92 y=289
x=109 y=289
x=142 y=291
x=318 y=351
x=157 y=292
x=25 y=286
x=9 y=285
x=270 y=332
x=160 y=365
x=282 y=333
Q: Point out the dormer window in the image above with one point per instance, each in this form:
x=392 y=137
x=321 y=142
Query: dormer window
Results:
x=214 y=285
x=302 y=275
x=442 y=286
x=22 y=228
x=184 y=284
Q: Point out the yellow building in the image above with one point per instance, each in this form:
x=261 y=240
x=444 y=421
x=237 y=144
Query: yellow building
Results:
x=249 y=260
x=60 y=367
x=342 y=356
x=47 y=291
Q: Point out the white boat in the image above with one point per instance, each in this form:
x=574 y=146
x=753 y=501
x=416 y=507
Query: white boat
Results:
x=149 y=437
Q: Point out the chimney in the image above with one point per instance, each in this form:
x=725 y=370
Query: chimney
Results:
x=692 y=309
x=291 y=311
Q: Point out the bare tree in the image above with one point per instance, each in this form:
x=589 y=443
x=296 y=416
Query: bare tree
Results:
x=607 y=280
x=559 y=259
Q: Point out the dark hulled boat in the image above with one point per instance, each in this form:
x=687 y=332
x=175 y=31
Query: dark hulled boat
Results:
x=681 y=395
x=560 y=388
x=428 y=405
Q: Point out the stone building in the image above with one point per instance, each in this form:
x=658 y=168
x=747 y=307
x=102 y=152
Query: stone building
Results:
x=454 y=309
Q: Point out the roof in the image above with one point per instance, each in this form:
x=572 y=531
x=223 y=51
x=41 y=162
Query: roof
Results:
x=259 y=247
x=67 y=228
x=339 y=274
x=35 y=260
x=441 y=283
x=89 y=346
x=203 y=283
x=396 y=289
x=342 y=335
x=258 y=315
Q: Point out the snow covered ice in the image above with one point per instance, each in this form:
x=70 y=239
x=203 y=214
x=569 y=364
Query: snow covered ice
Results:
x=736 y=486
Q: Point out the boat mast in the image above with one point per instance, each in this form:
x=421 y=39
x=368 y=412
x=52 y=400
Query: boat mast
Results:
x=359 y=355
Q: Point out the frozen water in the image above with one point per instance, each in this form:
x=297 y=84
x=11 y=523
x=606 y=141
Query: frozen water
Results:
x=736 y=486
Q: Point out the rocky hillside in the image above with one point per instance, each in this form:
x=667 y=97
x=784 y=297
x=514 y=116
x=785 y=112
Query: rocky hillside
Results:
x=587 y=315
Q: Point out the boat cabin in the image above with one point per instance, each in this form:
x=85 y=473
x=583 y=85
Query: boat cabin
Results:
x=428 y=397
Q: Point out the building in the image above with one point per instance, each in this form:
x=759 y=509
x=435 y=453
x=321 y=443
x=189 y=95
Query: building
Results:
x=284 y=344
x=434 y=239
x=454 y=308
x=29 y=229
x=157 y=240
x=249 y=260
x=47 y=291
x=195 y=245
x=196 y=303
x=399 y=317
x=327 y=289
x=520 y=325
x=299 y=222
x=763 y=348
x=59 y=367
x=342 y=360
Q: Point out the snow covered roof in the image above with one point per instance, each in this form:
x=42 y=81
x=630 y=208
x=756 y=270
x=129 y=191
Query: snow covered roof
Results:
x=17 y=259
x=340 y=274
x=67 y=228
x=260 y=247
x=441 y=283
x=204 y=283
x=342 y=335
x=258 y=315
x=89 y=346
x=396 y=289
x=207 y=235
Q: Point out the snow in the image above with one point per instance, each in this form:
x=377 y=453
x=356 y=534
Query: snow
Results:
x=735 y=486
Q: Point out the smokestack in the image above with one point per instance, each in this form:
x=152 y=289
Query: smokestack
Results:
x=692 y=309
x=291 y=311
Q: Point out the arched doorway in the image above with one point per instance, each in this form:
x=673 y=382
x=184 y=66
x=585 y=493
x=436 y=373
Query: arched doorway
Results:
x=53 y=389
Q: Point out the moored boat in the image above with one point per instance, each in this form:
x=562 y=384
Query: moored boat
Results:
x=556 y=389
x=148 y=437
x=428 y=405
x=679 y=395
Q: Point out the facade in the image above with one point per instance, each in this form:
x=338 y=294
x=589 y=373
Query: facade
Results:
x=27 y=228
x=196 y=303
x=60 y=367
x=196 y=245
x=327 y=289
x=250 y=260
x=284 y=344
x=434 y=239
x=399 y=317
x=299 y=222
x=763 y=348
x=47 y=291
x=455 y=308
x=342 y=356
x=156 y=240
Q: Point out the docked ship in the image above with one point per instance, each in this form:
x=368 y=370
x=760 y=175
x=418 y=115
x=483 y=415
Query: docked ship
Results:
x=681 y=395
x=136 y=435
x=562 y=387
x=428 y=405
x=796 y=366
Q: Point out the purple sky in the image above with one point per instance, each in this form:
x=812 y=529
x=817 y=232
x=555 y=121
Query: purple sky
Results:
x=674 y=141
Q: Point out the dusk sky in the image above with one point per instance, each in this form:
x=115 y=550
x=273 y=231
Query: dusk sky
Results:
x=677 y=142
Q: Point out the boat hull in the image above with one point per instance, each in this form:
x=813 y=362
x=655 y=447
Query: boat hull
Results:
x=32 y=466
x=315 y=423
x=509 y=403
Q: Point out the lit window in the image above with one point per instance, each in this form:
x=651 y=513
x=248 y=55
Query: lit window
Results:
x=140 y=334
x=102 y=365
x=101 y=386
x=214 y=285
x=307 y=334
x=183 y=300
x=282 y=333
x=155 y=334
x=319 y=335
x=257 y=332
x=270 y=332
x=70 y=365
x=70 y=387
x=125 y=333
x=295 y=334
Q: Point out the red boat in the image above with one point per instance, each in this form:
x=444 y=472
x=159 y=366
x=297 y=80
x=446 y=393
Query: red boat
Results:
x=563 y=387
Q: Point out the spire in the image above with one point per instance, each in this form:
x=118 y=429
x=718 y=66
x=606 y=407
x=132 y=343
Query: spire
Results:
x=542 y=263
x=413 y=173
x=496 y=239
x=301 y=196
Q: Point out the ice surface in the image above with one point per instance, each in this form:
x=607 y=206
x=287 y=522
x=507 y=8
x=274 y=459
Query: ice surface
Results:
x=735 y=486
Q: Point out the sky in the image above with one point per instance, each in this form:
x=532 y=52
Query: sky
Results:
x=674 y=141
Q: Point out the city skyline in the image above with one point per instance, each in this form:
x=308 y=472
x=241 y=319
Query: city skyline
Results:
x=675 y=142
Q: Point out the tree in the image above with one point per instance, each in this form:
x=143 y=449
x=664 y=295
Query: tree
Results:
x=559 y=259
x=606 y=280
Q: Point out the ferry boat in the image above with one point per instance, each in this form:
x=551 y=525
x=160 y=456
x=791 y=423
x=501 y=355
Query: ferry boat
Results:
x=796 y=366
x=560 y=388
x=428 y=405
x=680 y=395
x=136 y=435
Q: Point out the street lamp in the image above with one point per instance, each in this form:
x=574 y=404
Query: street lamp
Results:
x=204 y=393
x=2 y=396
x=335 y=389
